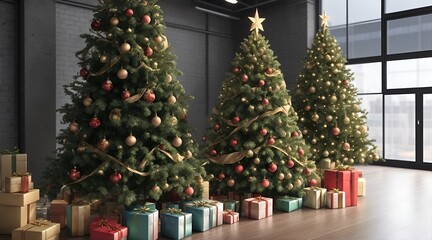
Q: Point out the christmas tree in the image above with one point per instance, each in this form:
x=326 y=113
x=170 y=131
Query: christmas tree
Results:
x=331 y=119
x=254 y=144
x=127 y=131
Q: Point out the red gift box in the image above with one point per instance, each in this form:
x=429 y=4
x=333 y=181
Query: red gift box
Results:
x=107 y=229
x=344 y=180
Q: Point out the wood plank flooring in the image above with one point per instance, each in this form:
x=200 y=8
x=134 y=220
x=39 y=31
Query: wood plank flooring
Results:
x=397 y=206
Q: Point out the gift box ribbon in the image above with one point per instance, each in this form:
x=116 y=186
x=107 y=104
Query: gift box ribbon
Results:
x=37 y=223
x=178 y=212
x=25 y=180
x=209 y=205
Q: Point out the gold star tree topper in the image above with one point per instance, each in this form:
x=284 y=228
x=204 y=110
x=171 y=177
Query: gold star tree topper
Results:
x=257 y=22
x=324 y=19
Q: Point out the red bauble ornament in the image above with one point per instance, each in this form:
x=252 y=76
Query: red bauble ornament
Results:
x=290 y=163
x=335 y=131
x=233 y=142
x=313 y=182
x=294 y=134
x=116 y=177
x=261 y=83
x=148 y=52
x=271 y=141
x=239 y=168
x=189 y=191
x=221 y=176
x=265 y=183
x=269 y=70
x=236 y=119
x=244 y=78
x=95 y=122
x=150 y=97
x=307 y=171
x=213 y=152
x=84 y=72
x=345 y=83
x=96 y=25
x=236 y=70
x=265 y=102
x=300 y=152
x=216 y=127
x=103 y=145
x=272 y=167
x=263 y=132
x=74 y=174
x=129 y=12
x=146 y=19
x=125 y=94
x=107 y=86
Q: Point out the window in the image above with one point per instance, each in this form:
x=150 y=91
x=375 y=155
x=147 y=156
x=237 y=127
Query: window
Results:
x=367 y=77
x=409 y=73
x=401 y=5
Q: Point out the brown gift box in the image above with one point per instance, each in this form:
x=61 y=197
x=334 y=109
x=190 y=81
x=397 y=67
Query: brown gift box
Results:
x=37 y=230
x=10 y=163
x=19 y=199
x=78 y=219
x=58 y=212
x=13 y=183
x=17 y=216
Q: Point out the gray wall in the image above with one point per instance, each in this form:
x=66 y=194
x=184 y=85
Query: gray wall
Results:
x=204 y=44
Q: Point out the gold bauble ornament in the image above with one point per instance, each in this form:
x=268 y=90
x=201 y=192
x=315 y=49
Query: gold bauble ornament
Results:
x=312 y=89
x=73 y=127
x=129 y=30
x=290 y=186
x=125 y=47
x=171 y=100
x=314 y=141
x=165 y=186
x=173 y=120
x=346 y=146
x=305 y=132
x=289 y=176
x=156 y=188
x=188 y=154
x=355 y=107
x=158 y=39
x=108 y=35
x=177 y=142
x=156 y=121
x=249 y=153
x=230 y=182
x=257 y=160
x=328 y=57
x=130 y=140
x=335 y=70
x=329 y=118
x=333 y=99
x=100 y=172
x=168 y=78
x=342 y=96
x=315 y=117
x=122 y=73
x=326 y=153
x=87 y=102
x=103 y=59
x=114 y=21
x=363 y=129
x=376 y=157
x=361 y=160
x=346 y=120
x=298 y=183
x=281 y=176
x=327 y=83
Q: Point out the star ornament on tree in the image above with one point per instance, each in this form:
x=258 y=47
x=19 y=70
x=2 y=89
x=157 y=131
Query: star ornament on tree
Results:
x=324 y=19
x=257 y=22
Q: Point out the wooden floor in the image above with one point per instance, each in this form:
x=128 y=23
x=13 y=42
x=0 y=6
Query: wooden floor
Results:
x=397 y=206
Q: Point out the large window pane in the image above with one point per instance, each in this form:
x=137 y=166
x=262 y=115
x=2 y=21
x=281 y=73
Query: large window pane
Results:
x=427 y=128
x=400 y=127
x=409 y=73
x=401 y=5
x=367 y=77
x=409 y=34
x=373 y=104
x=336 y=10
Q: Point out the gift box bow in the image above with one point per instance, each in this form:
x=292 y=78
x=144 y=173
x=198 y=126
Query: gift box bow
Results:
x=174 y=211
x=335 y=190
x=142 y=210
x=14 y=150
x=105 y=223
x=229 y=212
x=40 y=222
x=204 y=204
x=343 y=168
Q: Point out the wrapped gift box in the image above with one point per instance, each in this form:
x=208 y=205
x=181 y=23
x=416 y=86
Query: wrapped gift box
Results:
x=17 y=216
x=232 y=205
x=19 y=199
x=288 y=204
x=314 y=197
x=335 y=199
x=344 y=180
x=40 y=229
x=257 y=208
x=11 y=163
x=176 y=224
x=230 y=217
x=361 y=187
x=205 y=214
x=78 y=219
x=58 y=212
x=107 y=229
x=142 y=223
x=166 y=205
x=18 y=183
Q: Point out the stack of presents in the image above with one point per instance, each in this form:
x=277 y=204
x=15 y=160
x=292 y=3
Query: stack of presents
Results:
x=104 y=219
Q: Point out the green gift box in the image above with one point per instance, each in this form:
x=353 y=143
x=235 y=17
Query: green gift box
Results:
x=288 y=204
x=176 y=224
x=232 y=205
x=142 y=223
x=205 y=214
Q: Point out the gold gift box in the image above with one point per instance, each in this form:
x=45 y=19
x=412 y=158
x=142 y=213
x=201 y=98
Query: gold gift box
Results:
x=16 y=216
x=10 y=163
x=37 y=230
x=19 y=199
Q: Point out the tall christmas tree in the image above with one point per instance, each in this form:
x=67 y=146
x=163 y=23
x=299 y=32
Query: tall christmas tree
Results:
x=127 y=131
x=331 y=119
x=254 y=144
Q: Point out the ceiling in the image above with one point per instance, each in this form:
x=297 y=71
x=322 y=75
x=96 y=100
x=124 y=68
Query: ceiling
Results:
x=225 y=8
